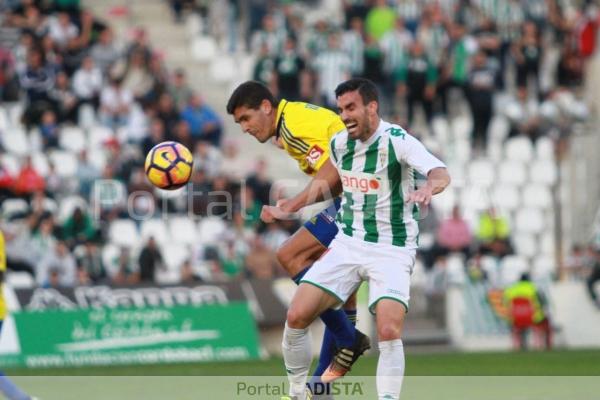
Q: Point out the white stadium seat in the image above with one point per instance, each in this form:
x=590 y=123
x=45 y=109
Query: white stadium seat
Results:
x=499 y=128
x=182 y=230
x=204 y=49
x=222 y=69
x=537 y=196
x=64 y=162
x=461 y=127
x=175 y=255
x=544 y=149
x=15 y=141
x=210 y=230
x=512 y=267
x=72 y=138
x=19 y=280
x=506 y=197
x=547 y=243
x=463 y=150
x=98 y=135
x=518 y=149
x=525 y=244
x=4 y=122
x=86 y=117
x=544 y=172
x=193 y=25
x=544 y=269
x=36 y=143
x=15 y=112
x=97 y=157
x=530 y=220
x=11 y=163
x=14 y=206
x=458 y=173
x=512 y=172
x=475 y=198
x=481 y=173
x=123 y=232
x=455 y=269
x=445 y=201
x=441 y=129
x=157 y=228
x=40 y=163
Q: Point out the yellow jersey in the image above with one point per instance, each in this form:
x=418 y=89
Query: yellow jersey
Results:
x=305 y=131
x=2 y=271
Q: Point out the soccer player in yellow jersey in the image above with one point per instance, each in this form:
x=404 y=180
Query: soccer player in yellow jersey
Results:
x=304 y=131
x=7 y=388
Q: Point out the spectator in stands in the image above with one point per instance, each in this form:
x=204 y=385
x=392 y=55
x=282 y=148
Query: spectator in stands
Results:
x=49 y=130
x=86 y=174
x=260 y=182
x=332 y=66
x=7 y=184
x=9 y=85
x=454 y=234
x=528 y=56
x=140 y=45
x=251 y=207
x=204 y=123
x=137 y=77
x=87 y=82
x=155 y=136
x=29 y=180
x=115 y=104
x=524 y=116
x=380 y=20
x=261 y=262
x=417 y=79
x=232 y=262
x=89 y=262
x=182 y=134
x=63 y=99
x=167 y=112
x=150 y=261
x=493 y=234
x=209 y=158
x=233 y=166
x=57 y=268
x=289 y=69
x=105 y=52
x=180 y=90
x=269 y=36
x=122 y=270
x=78 y=228
x=576 y=263
x=187 y=274
x=62 y=30
x=570 y=69
x=353 y=43
x=264 y=67
x=37 y=80
x=481 y=87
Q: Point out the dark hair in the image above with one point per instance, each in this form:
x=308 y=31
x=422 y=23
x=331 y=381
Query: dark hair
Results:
x=250 y=94
x=365 y=87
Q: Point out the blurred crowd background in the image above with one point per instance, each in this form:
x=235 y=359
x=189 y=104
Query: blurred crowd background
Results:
x=495 y=88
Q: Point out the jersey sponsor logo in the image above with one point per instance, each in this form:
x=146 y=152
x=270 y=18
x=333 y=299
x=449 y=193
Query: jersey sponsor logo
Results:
x=314 y=155
x=397 y=132
x=358 y=182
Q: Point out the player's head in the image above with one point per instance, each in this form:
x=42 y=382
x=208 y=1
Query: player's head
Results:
x=358 y=103
x=254 y=107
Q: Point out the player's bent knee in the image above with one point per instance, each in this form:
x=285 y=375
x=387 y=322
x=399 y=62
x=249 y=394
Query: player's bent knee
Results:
x=297 y=319
x=389 y=331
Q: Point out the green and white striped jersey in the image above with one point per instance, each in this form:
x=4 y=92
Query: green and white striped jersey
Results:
x=377 y=175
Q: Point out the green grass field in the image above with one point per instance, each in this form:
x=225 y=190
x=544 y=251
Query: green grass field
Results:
x=554 y=363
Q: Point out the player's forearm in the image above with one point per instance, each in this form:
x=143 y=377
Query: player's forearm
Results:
x=437 y=180
x=325 y=185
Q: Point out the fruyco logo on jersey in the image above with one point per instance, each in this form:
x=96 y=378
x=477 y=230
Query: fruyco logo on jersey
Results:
x=314 y=155
x=358 y=182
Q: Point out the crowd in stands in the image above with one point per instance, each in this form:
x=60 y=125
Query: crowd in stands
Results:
x=69 y=70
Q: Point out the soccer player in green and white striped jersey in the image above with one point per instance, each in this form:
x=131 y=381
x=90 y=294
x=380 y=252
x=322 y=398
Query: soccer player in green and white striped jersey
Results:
x=375 y=164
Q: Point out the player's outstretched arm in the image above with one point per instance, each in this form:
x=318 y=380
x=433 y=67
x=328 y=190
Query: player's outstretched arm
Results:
x=437 y=180
x=326 y=184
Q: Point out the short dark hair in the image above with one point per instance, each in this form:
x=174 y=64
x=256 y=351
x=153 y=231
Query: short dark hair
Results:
x=365 y=87
x=250 y=94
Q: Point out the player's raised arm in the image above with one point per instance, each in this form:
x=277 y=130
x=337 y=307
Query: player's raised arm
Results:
x=325 y=185
x=437 y=180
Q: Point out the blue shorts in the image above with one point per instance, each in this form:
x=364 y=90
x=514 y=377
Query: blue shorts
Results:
x=322 y=225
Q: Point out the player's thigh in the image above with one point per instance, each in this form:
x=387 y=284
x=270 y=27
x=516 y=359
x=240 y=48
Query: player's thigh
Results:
x=299 y=251
x=390 y=315
x=308 y=303
x=350 y=304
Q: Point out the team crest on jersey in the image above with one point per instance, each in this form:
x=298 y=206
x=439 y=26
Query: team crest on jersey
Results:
x=383 y=158
x=314 y=155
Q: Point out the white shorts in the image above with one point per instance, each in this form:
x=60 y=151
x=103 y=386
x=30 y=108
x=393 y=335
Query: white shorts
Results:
x=349 y=261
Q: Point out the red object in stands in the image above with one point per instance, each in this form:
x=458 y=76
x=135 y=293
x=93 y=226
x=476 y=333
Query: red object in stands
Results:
x=118 y=11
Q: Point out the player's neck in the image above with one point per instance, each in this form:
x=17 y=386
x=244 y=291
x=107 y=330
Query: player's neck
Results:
x=375 y=121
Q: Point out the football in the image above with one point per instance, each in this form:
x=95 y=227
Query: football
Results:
x=169 y=165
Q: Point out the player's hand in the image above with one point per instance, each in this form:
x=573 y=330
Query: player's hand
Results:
x=421 y=196
x=285 y=205
x=270 y=214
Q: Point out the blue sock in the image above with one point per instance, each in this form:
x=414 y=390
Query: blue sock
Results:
x=296 y=278
x=340 y=327
x=327 y=348
x=10 y=390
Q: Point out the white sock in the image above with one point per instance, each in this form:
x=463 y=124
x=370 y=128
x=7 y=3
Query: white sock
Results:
x=297 y=357
x=390 y=369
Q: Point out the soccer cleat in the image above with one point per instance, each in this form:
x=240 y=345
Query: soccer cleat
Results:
x=345 y=357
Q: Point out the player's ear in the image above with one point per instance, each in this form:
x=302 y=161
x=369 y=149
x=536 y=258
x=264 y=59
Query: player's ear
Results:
x=266 y=106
